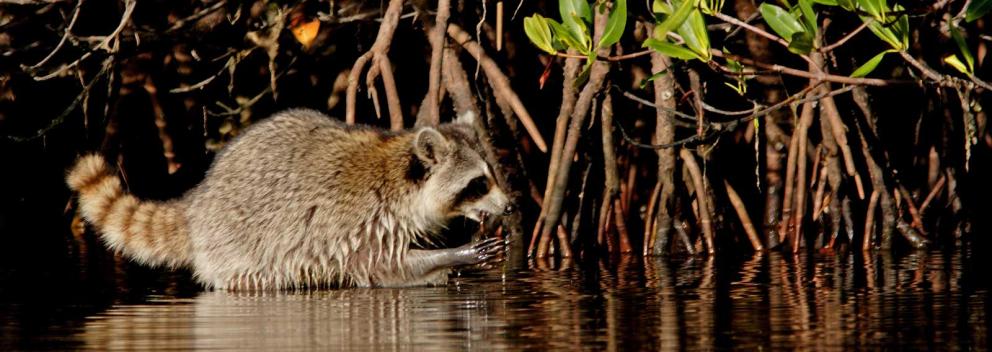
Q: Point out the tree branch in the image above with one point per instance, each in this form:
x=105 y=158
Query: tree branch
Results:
x=499 y=82
x=847 y=37
x=380 y=48
x=820 y=76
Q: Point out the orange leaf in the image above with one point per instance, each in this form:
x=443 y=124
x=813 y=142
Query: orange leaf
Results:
x=305 y=32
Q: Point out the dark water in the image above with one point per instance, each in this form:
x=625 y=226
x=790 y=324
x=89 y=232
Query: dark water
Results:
x=919 y=300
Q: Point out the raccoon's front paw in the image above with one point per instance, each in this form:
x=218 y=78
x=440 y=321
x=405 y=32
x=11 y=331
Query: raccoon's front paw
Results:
x=480 y=252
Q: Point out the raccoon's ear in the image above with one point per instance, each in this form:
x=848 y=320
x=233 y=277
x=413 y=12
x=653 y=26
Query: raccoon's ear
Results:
x=430 y=146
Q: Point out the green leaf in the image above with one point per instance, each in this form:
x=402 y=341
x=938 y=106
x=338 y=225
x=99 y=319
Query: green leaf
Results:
x=872 y=7
x=586 y=70
x=578 y=8
x=848 y=5
x=809 y=17
x=956 y=63
x=670 y=49
x=826 y=2
x=963 y=47
x=568 y=38
x=675 y=19
x=884 y=33
x=740 y=88
x=661 y=7
x=710 y=7
x=584 y=11
x=614 y=25
x=644 y=82
x=870 y=65
x=977 y=9
x=573 y=13
x=537 y=30
x=693 y=31
x=781 y=21
x=733 y=65
x=801 y=43
x=901 y=27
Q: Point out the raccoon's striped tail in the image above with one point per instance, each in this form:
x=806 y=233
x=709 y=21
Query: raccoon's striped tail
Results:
x=150 y=232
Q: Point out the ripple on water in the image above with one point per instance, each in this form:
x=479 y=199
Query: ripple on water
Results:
x=921 y=300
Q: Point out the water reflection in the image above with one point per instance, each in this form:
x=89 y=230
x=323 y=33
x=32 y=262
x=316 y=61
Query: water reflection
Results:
x=921 y=300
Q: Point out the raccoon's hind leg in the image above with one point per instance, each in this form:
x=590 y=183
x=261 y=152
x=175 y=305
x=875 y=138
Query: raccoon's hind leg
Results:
x=431 y=266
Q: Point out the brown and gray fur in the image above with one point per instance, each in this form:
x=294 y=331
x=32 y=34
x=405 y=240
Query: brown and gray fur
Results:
x=302 y=200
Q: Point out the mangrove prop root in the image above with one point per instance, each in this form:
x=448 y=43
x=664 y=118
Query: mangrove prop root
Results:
x=879 y=181
x=621 y=226
x=604 y=217
x=913 y=211
x=579 y=114
x=650 y=224
x=612 y=173
x=377 y=53
x=392 y=96
x=818 y=199
x=571 y=71
x=773 y=182
x=698 y=183
x=429 y=113
x=697 y=97
x=799 y=204
x=838 y=130
x=609 y=152
x=577 y=219
x=933 y=193
x=664 y=134
x=785 y=223
x=163 y=134
x=870 y=220
x=735 y=200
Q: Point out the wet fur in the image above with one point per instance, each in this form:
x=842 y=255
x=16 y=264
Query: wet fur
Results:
x=302 y=200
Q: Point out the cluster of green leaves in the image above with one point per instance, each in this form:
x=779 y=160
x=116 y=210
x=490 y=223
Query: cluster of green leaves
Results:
x=573 y=30
x=796 y=25
x=681 y=29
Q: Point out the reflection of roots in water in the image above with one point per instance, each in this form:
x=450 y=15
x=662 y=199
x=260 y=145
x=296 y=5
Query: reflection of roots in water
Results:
x=767 y=301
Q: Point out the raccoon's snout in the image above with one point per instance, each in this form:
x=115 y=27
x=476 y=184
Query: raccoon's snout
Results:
x=495 y=203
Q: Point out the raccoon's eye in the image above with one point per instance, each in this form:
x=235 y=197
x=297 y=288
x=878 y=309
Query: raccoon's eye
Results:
x=475 y=189
x=478 y=187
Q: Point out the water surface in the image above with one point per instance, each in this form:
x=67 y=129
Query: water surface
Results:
x=935 y=300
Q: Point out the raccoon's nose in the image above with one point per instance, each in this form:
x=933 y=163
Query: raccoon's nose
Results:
x=509 y=209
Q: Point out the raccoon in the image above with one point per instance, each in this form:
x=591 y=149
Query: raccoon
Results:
x=301 y=200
